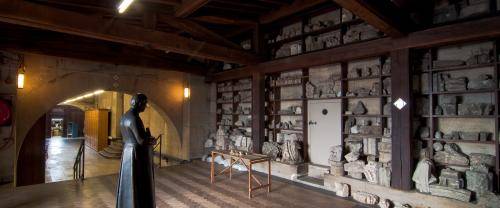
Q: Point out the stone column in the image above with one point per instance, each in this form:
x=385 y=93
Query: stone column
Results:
x=116 y=113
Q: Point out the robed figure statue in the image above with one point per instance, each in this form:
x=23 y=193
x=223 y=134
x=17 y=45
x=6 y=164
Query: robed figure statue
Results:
x=136 y=180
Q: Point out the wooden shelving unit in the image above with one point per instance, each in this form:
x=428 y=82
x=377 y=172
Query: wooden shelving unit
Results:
x=233 y=104
x=274 y=103
x=341 y=27
x=432 y=96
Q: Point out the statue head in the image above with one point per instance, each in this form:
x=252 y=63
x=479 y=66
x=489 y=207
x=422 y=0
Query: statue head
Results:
x=138 y=102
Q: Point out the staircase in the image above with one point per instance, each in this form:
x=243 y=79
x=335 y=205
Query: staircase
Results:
x=114 y=150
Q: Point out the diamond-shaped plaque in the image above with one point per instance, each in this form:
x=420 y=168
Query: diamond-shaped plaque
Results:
x=400 y=103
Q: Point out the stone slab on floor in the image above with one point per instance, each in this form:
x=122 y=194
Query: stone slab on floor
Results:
x=282 y=170
x=413 y=198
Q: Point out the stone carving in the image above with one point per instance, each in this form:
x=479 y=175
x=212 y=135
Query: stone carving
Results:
x=423 y=175
x=386 y=68
x=290 y=152
x=341 y=189
x=271 y=149
x=451 y=178
x=482 y=56
x=489 y=200
x=384 y=147
x=479 y=158
x=452 y=84
x=424 y=132
x=221 y=142
x=355 y=169
x=384 y=203
x=438 y=135
x=337 y=168
x=355 y=146
x=335 y=154
x=475 y=109
x=371 y=171
x=365 y=198
x=311 y=90
x=384 y=176
x=483 y=81
x=359 y=109
x=370 y=130
x=350 y=122
x=479 y=182
x=387 y=109
x=444 y=191
x=384 y=157
x=437 y=147
x=386 y=85
x=352 y=156
x=451 y=155
x=370 y=146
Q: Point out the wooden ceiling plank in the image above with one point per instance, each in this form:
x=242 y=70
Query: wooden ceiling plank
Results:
x=165 y=2
x=381 y=14
x=88 y=50
x=44 y=17
x=284 y=11
x=188 y=7
x=222 y=20
x=197 y=31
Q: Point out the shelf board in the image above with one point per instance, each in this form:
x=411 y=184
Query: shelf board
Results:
x=242 y=90
x=362 y=78
x=364 y=135
x=459 y=116
x=284 y=41
x=286 y=114
x=458 y=141
x=366 y=115
x=324 y=98
x=332 y=28
x=287 y=100
x=461 y=92
x=287 y=85
x=463 y=67
x=280 y=129
x=361 y=97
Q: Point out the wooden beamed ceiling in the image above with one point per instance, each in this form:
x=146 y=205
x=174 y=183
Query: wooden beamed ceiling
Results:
x=381 y=14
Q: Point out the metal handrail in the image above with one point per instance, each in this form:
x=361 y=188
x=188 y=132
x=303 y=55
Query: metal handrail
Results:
x=158 y=141
x=79 y=165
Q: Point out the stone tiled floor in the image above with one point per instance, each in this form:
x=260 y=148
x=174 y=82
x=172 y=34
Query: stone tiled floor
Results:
x=61 y=154
x=185 y=185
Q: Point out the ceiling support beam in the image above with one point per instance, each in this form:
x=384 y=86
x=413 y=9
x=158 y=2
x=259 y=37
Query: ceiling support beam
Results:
x=381 y=14
x=222 y=20
x=188 y=7
x=197 y=31
x=284 y=11
x=47 y=18
x=94 y=50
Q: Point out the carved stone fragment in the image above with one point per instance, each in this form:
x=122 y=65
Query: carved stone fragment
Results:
x=458 y=194
x=352 y=156
x=359 y=109
x=271 y=149
x=335 y=153
x=451 y=156
x=479 y=182
x=342 y=189
x=371 y=172
x=337 y=168
x=479 y=158
x=365 y=198
x=423 y=175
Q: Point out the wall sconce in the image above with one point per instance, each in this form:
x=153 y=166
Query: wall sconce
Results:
x=187 y=92
x=21 y=76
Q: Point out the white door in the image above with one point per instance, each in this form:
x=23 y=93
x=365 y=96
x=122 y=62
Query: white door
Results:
x=325 y=127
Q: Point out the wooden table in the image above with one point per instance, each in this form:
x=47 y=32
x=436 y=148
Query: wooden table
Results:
x=247 y=160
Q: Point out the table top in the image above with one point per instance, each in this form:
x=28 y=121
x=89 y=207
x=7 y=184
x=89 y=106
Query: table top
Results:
x=249 y=156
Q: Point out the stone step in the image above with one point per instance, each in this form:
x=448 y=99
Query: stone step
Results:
x=111 y=150
x=317 y=171
x=311 y=181
x=110 y=155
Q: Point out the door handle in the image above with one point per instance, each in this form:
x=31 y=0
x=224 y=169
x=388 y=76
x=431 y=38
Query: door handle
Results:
x=312 y=123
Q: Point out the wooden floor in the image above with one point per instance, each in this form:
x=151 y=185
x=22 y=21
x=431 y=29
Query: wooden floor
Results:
x=185 y=185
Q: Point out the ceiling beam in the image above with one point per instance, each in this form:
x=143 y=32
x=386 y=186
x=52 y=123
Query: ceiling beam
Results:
x=222 y=20
x=53 y=44
x=381 y=14
x=48 y=18
x=197 y=31
x=287 y=10
x=482 y=29
x=189 y=7
x=165 y=2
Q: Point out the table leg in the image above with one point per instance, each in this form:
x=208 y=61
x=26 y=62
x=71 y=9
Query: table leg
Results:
x=269 y=176
x=250 y=181
x=212 y=171
x=230 y=167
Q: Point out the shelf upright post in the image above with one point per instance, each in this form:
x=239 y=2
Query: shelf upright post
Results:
x=496 y=100
x=430 y=80
x=344 y=100
x=305 y=130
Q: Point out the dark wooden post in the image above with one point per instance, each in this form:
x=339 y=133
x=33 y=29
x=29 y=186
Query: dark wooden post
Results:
x=402 y=163
x=258 y=111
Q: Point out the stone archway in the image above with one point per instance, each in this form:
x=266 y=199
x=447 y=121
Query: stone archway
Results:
x=51 y=80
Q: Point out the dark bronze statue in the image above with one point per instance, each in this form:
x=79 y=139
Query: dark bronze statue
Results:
x=136 y=181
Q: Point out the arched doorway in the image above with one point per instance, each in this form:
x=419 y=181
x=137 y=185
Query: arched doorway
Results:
x=59 y=150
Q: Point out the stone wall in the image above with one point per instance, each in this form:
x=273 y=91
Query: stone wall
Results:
x=51 y=80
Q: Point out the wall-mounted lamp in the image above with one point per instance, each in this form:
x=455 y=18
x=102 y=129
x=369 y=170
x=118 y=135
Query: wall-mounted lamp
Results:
x=21 y=76
x=124 y=5
x=187 y=92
